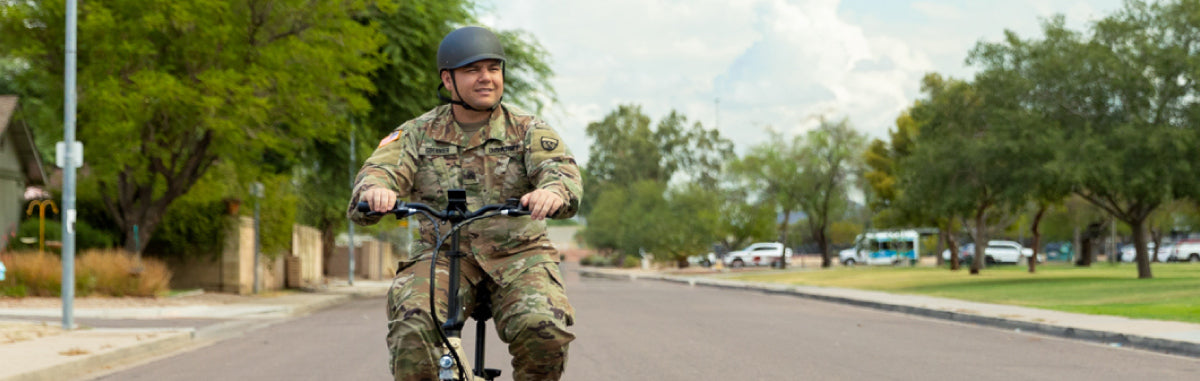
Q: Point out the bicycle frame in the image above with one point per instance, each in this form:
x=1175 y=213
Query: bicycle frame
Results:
x=452 y=365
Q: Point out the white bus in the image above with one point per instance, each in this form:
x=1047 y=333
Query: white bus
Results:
x=893 y=247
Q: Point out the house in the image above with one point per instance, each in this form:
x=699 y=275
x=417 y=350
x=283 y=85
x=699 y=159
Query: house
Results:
x=20 y=167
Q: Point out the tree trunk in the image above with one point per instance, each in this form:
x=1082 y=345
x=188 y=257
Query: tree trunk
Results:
x=823 y=243
x=953 y=244
x=980 y=239
x=1156 y=237
x=783 y=238
x=941 y=245
x=1139 y=242
x=1037 y=237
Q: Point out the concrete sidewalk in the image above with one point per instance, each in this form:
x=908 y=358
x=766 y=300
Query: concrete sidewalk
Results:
x=34 y=346
x=1163 y=336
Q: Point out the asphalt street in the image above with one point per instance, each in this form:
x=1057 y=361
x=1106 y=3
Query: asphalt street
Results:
x=643 y=330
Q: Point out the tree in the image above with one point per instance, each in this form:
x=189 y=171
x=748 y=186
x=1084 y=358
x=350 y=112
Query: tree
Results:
x=1124 y=96
x=771 y=171
x=169 y=88
x=962 y=167
x=830 y=156
x=689 y=223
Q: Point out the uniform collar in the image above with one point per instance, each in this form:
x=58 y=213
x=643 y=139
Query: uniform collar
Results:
x=445 y=130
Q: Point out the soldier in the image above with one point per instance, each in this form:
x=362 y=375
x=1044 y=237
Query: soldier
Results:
x=494 y=151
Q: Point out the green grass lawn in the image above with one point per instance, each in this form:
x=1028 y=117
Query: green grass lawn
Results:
x=1105 y=289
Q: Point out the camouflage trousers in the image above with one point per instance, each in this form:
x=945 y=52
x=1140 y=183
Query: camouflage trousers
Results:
x=530 y=311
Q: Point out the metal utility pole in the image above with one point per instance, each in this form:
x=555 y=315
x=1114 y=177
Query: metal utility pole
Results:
x=256 y=190
x=350 y=246
x=68 y=165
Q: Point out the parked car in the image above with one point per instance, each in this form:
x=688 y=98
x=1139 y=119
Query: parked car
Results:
x=1058 y=251
x=965 y=251
x=1007 y=252
x=1188 y=250
x=2 y=270
x=1164 y=254
x=997 y=251
x=706 y=260
x=758 y=254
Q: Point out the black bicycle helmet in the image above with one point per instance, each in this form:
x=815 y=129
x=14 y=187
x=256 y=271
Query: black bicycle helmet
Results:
x=466 y=45
x=463 y=47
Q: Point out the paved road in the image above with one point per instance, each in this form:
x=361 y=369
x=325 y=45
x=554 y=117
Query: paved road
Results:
x=654 y=330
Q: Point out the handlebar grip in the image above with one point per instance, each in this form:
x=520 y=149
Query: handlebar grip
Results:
x=365 y=207
x=513 y=208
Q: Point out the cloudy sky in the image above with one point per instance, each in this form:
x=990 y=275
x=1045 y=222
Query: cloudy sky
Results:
x=744 y=65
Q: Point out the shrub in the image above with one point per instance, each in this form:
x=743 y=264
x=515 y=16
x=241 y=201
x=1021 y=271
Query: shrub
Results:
x=116 y=273
x=104 y=272
x=631 y=262
x=32 y=274
x=594 y=260
x=86 y=237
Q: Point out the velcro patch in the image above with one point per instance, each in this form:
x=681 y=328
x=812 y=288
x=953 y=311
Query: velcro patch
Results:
x=545 y=145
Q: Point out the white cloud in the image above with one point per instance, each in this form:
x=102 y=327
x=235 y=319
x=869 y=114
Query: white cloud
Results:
x=780 y=63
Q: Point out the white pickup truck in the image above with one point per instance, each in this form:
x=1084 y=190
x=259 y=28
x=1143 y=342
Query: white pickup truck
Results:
x=1187 y=251
x=758 y=254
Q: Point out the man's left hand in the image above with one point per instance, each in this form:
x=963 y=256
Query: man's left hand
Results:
x=541 y=203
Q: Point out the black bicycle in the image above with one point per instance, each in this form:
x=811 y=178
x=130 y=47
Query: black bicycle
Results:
x=451 y=366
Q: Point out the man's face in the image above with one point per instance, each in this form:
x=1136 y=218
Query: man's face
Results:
x=480 y=84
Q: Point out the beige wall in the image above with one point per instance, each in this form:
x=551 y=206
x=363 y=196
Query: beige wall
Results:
x=233 y=270
x=306 y=264
x=373 y=260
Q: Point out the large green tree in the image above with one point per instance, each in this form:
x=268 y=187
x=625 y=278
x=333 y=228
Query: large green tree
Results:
x=1124 y=96
x=772 y=174
x=830 y=158
x=169 y=88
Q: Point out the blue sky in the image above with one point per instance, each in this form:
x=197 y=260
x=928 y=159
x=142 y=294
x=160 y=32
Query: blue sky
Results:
x=749 y=65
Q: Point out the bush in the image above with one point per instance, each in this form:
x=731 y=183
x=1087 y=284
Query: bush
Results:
x=594 y=260
x=631 y=262
x=31 y=274
x=102 y=272
x=86 y=237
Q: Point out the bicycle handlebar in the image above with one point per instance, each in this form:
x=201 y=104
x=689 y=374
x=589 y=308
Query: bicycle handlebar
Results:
x=512 y=208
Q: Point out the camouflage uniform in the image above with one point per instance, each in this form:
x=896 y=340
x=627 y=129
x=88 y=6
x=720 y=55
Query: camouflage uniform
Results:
x=513 y=154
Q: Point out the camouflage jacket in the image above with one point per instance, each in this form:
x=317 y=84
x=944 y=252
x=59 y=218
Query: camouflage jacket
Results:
x=513 y=154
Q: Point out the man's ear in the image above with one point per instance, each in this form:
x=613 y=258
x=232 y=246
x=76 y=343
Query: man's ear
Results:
x=445 y=74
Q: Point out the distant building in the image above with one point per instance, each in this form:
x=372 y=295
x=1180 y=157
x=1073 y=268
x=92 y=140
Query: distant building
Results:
x=20 y=167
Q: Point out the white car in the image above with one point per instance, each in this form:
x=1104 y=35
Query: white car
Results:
x=1188 y=250
x=1165 y=254
x=1006 y=252
x=758 y=254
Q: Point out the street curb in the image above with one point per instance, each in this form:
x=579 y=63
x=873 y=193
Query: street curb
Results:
x=185 y=339
x=119 y=357
x=1162 y=345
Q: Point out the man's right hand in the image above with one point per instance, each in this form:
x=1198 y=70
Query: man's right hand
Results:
x=379 y=198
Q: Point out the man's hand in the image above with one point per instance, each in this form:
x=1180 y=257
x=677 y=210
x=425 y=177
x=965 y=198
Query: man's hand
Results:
x=541 y=203
x=381 y=199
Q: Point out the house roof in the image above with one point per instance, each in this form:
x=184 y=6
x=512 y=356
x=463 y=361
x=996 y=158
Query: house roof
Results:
x=31 y=161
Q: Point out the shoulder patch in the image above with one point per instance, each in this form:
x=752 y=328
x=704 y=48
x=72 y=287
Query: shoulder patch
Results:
x=545 y=144
x=394 y=136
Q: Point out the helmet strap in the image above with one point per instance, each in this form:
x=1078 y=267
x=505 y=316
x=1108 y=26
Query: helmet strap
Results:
x=454 y=81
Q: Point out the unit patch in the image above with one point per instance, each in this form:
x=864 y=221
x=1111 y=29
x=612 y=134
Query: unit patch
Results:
x=546 y=145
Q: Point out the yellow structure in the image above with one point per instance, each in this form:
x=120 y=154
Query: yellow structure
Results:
x=41 y=219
